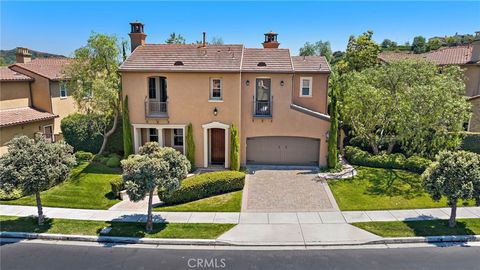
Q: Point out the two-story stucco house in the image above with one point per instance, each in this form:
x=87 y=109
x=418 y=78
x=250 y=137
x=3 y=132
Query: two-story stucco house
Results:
x=467 y=57
x=33 y=98
x=277 y=101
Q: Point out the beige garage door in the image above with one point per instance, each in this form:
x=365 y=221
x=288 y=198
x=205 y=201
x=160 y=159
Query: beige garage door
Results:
x=283 y=150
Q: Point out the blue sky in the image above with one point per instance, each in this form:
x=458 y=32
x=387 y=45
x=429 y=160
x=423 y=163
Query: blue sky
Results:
x=63 y=26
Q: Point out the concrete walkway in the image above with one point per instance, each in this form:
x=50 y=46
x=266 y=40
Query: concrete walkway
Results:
x=244 y=217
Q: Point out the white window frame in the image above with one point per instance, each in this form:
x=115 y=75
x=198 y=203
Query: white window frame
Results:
x=310 y=80
x=216 y=99
x=53 y=133
x=173 y=137
x=62 y=85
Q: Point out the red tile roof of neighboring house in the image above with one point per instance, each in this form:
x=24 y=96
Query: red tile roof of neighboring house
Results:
x=267 y=60
x=217 y=58
x=459 y=55
x=17 y=116
x=310 y=64
x=7 y=75
x=184 y=57
x=50 y=68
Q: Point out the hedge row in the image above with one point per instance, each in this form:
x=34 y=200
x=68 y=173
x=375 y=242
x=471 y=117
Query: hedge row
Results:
x=471 y=142
x=204 y=185
x=357 y=156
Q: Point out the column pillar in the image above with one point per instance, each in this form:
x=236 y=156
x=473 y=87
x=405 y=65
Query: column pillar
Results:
x=137 y=138
x=160 y=136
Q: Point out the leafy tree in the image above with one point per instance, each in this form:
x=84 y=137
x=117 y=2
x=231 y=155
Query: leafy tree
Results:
x=3 y=62
x=127 y=130
x=190 y=146
x=332 y=160
x=35 y=165
x=407 y=102
x=175 y=39
x=235 y=149
x=362 y=52
x=434 y=44
x=389 y=44
x=216 y=41
x=155 y=167
x=95 y=82
x=419 y=44
x=455 y=175
x=336 y=57
x=319 y=48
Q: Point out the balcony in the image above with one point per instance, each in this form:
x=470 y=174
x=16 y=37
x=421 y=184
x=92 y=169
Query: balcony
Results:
x=263 y=108
x=156 y=109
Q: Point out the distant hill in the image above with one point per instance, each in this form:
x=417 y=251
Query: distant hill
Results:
x=8 y=56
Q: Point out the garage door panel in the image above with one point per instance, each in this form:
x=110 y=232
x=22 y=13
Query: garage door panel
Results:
x=283 y=150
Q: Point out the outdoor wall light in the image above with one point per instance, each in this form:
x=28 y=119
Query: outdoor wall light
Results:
x=247 y=82
x=215 y=111
x=282 y=83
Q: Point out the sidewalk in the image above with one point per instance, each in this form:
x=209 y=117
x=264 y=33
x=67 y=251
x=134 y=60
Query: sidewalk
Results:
x=330 y=217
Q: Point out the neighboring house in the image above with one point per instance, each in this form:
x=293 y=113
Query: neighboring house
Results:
x=467 y=57
x=49 y=93
x=278 y=102
x=18 y=115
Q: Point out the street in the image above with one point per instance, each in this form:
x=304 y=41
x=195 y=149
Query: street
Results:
x=94 y=256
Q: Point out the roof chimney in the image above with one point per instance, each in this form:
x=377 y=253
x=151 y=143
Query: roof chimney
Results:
x=476 y=48
x=204 y=42
x=271 y=40
x=137 y=36
x=23 y=55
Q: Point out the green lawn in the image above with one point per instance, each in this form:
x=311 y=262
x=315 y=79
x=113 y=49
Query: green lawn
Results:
x=228 y=202
x=88 y=187
x=421 y=228
x=375 y=189
x=128 y=229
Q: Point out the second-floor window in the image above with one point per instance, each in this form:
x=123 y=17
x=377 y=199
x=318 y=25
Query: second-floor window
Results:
x=216 y=89
x=178 y=137
x=305 y=86
x=63 y=90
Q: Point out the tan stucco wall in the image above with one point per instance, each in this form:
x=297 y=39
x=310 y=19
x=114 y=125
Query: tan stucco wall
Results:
x=284 y=121
x=472 y=82
x=61 y=106
x=318 y=100
x=14 y=95
x=8 y=133
x=40 y=90
x=188 y=101
x=474 y=125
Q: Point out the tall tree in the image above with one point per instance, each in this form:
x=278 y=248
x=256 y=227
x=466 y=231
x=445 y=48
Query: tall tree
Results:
x=319 y=48
x=455 y=175
x=95 y=81
x=175 y=39
x=389 y=44
x=235 y=149
x=362 y=52
x=190 y=146
x=216 y=41
x=127 y=130
x=35 y=165
x=419 y=44
x=332 y=160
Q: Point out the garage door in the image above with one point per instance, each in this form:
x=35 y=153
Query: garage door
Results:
x=283 y=150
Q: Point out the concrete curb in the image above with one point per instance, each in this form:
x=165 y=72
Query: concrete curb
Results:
x=209 y=242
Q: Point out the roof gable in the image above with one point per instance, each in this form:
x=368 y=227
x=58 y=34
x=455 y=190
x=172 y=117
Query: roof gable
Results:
x=50 y=68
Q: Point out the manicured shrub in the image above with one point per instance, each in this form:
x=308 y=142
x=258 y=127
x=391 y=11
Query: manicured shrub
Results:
x=471 y=142
x=190 y=147
x=357 y=156
x=117 y=186
x=14 y=194
x=235 y=149
x=204 y=185
x=113 y=160
x=83 y=156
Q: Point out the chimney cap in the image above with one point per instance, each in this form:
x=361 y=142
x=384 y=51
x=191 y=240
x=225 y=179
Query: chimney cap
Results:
x=136 y=23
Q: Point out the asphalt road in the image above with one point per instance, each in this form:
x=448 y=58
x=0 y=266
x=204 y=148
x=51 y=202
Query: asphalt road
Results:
x=58 y=256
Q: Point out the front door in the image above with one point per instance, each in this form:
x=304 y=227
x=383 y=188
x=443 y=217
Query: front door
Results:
x=217 y=138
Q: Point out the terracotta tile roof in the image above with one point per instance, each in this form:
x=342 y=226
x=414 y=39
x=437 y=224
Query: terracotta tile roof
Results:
x=275 y=60
x=310 y=64
x=6 y=75
x=50 y=68
x=459 y=55
x=17 y=116
x=162 y=57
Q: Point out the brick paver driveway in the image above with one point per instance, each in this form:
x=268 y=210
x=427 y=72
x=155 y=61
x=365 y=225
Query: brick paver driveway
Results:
x=286 y=190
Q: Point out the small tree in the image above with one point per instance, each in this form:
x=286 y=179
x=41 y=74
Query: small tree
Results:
x=332 y=160
x=419 y=44
x=175 y=39
x=154 y=167
x=127 y=130
x=35 y=165
x=190 y=146
x=235 y=149
x=455 y=175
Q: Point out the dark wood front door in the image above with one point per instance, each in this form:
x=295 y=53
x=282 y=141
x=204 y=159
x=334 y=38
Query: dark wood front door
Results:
x=217 y=138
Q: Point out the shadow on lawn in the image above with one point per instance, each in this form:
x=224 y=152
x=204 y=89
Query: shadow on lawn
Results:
x=392 y=183
x=438 y=228
x=26 y=224
x=133 y=229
